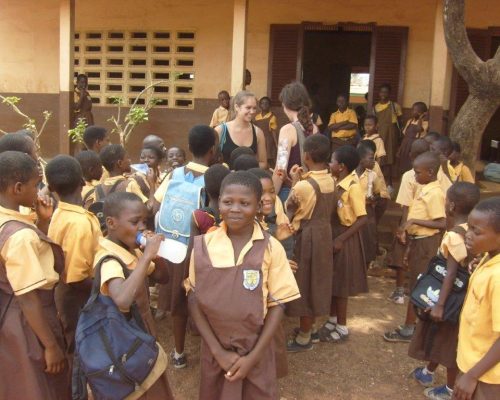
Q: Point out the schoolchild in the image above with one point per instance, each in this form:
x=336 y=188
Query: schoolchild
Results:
x=92 y=172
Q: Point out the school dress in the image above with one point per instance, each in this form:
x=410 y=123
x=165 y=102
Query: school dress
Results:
x=85 y=111
x=445 y=338
x=387 y=128
x=349 y=264
x=269 y=125
x=314 y=258
x=411 y=132
x=160 y=389
x=21 y=353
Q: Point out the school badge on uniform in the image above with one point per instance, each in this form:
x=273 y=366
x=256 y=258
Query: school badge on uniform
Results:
x=251 y=279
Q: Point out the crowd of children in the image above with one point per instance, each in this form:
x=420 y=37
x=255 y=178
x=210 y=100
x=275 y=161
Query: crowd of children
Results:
x=85 y=234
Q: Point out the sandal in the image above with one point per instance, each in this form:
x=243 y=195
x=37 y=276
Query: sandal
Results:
x=314 y=335
x=329 y=333
x=397 y=336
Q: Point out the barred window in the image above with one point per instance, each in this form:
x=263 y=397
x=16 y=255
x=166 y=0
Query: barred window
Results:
x=123 y=63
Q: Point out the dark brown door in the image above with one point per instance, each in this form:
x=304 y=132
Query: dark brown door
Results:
x=388 y=59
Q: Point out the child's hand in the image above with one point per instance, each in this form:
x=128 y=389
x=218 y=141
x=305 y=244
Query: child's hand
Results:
x=281 y=174
x=284 y=231
x=464 y=387
x=437 y=313
x=241 y=368
x=293 y=265
x=337 y=245
x=226 y=359
x=54 y=360
x=408 y=223
x=296 y=173
x=44 y=207
x=151 y=178
x=292 y=204
x=152 y=245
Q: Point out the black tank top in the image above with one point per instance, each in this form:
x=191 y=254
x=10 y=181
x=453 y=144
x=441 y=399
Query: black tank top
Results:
x=227 y=144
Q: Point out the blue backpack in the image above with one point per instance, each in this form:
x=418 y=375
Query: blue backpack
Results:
x=113 y=354
x=185 y=193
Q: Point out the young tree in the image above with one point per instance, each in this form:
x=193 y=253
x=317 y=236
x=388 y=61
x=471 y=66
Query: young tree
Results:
x=482 y=77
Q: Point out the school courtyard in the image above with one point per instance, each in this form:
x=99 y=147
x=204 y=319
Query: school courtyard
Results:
x=197 y=48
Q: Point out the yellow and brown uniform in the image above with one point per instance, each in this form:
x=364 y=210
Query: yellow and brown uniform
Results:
x=219 y=116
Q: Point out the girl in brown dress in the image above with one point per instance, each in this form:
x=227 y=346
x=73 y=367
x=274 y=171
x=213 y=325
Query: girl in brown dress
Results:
x=436 y=340
x=389 y=123
x=82 y=102
x=267 y=121
x=416 y=127
x=349 y=261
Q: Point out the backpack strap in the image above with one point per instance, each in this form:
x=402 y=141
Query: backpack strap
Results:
x=99 y=192
x=223 y=136
x=393 y=107
x=88 y=195
x=142 y=185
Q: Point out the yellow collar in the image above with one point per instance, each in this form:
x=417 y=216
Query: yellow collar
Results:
x=257 y=231
x=200 y=168
x=118 y=251
x=16 y=215
x=310 y=173
x=71 y=207
x=348 y=180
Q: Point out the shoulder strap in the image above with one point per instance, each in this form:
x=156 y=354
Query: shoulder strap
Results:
x=116 y=184
x=395 y=114
x=99 y=192
x=223 y=136
x=300 y=139
x=142 y=185
x=87 y=195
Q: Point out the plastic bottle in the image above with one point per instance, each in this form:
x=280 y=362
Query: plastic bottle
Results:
x=282 y=161
x=162 y=251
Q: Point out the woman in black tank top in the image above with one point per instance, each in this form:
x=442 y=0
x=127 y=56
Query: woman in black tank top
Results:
x=240 y=132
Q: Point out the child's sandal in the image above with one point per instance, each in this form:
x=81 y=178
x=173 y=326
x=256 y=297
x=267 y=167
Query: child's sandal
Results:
x=329 y=333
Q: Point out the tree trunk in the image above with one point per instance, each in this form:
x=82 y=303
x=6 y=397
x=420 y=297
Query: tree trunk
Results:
x=469 y=125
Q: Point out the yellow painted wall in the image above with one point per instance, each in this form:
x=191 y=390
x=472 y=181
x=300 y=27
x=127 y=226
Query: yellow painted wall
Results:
x=212 y=22
x=29 y=46
x=482 y=13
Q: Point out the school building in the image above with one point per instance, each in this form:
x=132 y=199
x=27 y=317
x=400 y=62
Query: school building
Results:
x=197 y=48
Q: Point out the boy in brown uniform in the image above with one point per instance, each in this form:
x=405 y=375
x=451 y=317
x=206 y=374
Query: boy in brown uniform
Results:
x=221 y=113
x=77 y=231
x=310 y=207
x=343 y=124
x=237 y=301
x=426 y=218
x=31 y=263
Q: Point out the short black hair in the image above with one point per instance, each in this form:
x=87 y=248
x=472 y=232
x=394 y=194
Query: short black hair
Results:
x=115 y=202
x=421 y=105
x=456 y=147
x=372 y=117
x=213 y=179
x=363 y=150
x=16 y=142
x=386 y=86
x=368 y=143
x=445 y=144
x=110 y=155
x=343 y=95
x=433 y=134
x=64 y=175
x=429 y=159
x=89 y=162
x=201 y=140
x=492 y=207
x=261 y=173
x=265 y=98
x=245 y=162
x=419 y=146
x=223 y=92
x=183 y=152
x=92 y=134
x=318 y=148
x=152 y=140
x=465 y=195
x=243 y=178
x=239 y=151
x=348 y=156
x=16 y=167
x=155 y=149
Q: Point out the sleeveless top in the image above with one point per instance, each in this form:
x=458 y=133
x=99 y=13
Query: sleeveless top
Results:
x=297 y=149
x=227 y=145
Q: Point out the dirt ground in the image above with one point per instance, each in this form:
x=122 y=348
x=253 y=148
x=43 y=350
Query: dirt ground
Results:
x=365 y=367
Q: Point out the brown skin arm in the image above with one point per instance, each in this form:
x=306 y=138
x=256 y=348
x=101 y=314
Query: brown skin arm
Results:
x=338 y=242
x=467 y=383
x=401 y=232
x=439 y=223
x=451 y=273
x=244 y=365
x=32 y=309
x=261 y=149
x=225 y=358
x=160 y=274
x=342 y=125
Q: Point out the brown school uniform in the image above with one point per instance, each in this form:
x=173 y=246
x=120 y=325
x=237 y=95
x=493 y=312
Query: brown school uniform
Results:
x=110 y=269
x=411 y=132
x=77 y=231
x=314 y=256
x=30 y=263
x=219 y=116
x=343 y=136
x=259 y=279
x=269 y=125
x=445 y=339
x=462 y=173
x=349 y=264
x=423 y=243
x=379 y=145
x=172 y=296
x=387 y=115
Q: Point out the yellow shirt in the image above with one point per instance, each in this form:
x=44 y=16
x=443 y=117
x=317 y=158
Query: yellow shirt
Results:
x=407 y=189
x=219 y=116
x=463 y=173
x=480 y=319
x=132 y=186
x=77 y=231
x=112 y=269
x=190 y=166
x=396 y=111
x=379 y=144
x=273 y=121
x=306 y=195
x=278 y=283
x=29 y=261
x=454 y=244
x=427 y=205
x=347 y=115
x=378 y=186
x=87 y=188
x=383 y=187
x=351 y=204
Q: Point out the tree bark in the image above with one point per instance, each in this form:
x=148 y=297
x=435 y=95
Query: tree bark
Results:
x=483 y=80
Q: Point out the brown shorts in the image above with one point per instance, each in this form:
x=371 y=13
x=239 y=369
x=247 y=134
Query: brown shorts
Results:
x=420 y=253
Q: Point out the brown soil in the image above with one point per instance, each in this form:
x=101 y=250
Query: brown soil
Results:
x=365 y=367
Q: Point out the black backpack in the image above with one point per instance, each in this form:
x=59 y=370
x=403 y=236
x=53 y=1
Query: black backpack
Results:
x=100 y=195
